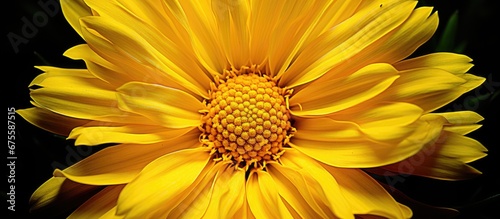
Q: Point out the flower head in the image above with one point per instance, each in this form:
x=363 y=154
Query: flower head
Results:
x=266 y=109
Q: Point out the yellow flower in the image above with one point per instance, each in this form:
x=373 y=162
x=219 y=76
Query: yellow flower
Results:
x=236 y=109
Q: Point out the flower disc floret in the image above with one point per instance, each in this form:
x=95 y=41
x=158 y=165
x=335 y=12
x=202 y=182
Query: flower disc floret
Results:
x=247 y=120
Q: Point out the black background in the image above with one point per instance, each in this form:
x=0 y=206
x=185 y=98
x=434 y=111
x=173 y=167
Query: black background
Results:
x=39 y=152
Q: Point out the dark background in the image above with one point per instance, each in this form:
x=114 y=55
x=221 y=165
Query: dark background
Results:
x=39 y=152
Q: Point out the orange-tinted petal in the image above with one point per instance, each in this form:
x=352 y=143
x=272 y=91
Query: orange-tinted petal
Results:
x=49 y=121
x=59 y=193
x=99 y=204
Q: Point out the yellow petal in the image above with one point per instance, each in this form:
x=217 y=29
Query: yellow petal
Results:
x=129 y=134
x=262 y=23
x=74 y=93
x=462 y=129
x=326 y=129
x=327 y=97
x=450 y=62
x=405 y=39
x=73 y=11
x=263 y=197
x=365 y=195
x=100 y=67
x=122 y=163
x=433 y=80
x=337 y=12
x=321 y=185
x=229 y=195
x=294 y=23
x=367 y=216
x=440 y=168
x=50 y=121
x=446 y=159
x=196 y=201
x=383 y=114
x=422 y=81
x=59 y=193
x=383 y=120
x=99 y=204
x=110 y=64
x=202 y=28
x=146 y=46
x=118 y=74
x=460 y=117
x=169 y=107
x=430 y=88
x=361 y=153
x=162 y=180
x=244 y=212
x=345 y=40
x=461 y=122
x=462 y=148
x=66 y=77
x=402 y=41
x=151 y=13
x=105 y=59
x=396 y=45
x=82 y=102
x=293 y=188
x=53 y=77
x=111 y=214
x=357 y=154
x=231 y=17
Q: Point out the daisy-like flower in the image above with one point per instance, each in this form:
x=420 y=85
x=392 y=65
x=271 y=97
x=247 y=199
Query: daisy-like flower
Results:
x=242 y=109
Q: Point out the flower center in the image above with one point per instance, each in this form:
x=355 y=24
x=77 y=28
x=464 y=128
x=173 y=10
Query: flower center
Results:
x=247 y=119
